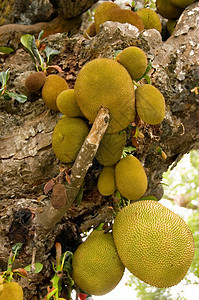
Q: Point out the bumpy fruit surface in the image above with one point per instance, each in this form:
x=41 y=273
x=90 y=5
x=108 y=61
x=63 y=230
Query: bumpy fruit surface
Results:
x=67 y=104
x=111 y=148
x=154 y=243
x=131 y=179
x=150 y=104
x=106 y=181
x=11 y=291
x=35 y=81
x=90 y=31
x=150 y=19
x=68 y=137
x=116 y=14
x=168 y=10
x=134 y=60
x=97 y=268
x=181 y=3
x=105 y=82
x=53 y=86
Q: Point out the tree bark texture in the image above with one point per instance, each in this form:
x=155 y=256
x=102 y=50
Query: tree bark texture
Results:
x=27 y=159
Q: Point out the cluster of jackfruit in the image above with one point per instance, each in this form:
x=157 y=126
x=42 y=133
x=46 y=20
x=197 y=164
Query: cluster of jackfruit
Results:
x=144 y=18
x=147 y=238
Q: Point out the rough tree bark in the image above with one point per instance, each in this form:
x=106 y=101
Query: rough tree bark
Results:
x=27 y=159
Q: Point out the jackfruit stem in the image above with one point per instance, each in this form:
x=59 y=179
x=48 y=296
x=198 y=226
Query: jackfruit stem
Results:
x=50 y=216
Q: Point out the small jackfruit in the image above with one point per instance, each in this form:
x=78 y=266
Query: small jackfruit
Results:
x=97 y=268
x=67 y=104
x=131 y=179
x=11 y=291
x=111 y=148
x=53 y=86
x=150 y=104
x=35 y=81
x=90 y=31
x=134 y=60
x=121 y=16
x=167 y=10
x=150 y=19
x=68 y=137
x=106 y=181
x=154 y=243
x=105 y=82
x=181 y=3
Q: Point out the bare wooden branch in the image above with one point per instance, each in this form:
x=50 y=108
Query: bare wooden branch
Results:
x=50 y=216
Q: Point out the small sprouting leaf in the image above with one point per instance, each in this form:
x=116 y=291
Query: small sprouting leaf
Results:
x=16 y=249
x=148 y=78
x=99 y=227
x=148 y=68
x=6 y=50
x=38 y=268
x=128 y=150
x=20 y=98
x=49 y=52
x=149 y=198
x=116 y=53
x=66 y=259
x=40 y=35
x=80 y=195
x=4 y=76
x=26 y=41
x=36 y=52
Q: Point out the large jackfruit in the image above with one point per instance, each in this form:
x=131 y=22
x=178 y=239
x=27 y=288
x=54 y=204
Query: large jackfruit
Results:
x=68 y=137
x=97 y=268
x=111 y=148
x=154 y=243
x=134 y=60
x=150 y=104
x=166 y=9
x=131 y=179
x=11 y=291
x=105 y=82
x=106 y=181
x=150 y=19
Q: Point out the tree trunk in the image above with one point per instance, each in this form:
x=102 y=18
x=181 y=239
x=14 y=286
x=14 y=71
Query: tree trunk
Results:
x=27 y=159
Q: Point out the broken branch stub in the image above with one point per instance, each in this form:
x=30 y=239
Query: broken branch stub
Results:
x=50 y=216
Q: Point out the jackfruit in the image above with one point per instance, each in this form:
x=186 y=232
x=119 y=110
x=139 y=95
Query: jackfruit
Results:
x=68 y=137
x=97 y=268
x=67 y=104
x=90 y=31
x=106 y=181
x=154 y=243
x=35 y=81
x=150 y=104
x=105 y=82
x=53 y=86
x=181 y=3
x=11 y=291
x=134 y=60
x=116 y=14
x=171 y=26
x=131 y=179
x=168 y=10
x=111 y=148
x=150 y=19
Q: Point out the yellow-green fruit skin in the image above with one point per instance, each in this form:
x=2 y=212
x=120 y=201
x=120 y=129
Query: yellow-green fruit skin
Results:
x=68 y=137
x=134 y=60
x=11 y=291
x=105 y=82
x=106 y=181
x=97 y=268
x=90 y=31
x=171 y=26
x=130 y=176
x=67 y=104
x=182 y=3
x=168 y=10
x=111 y=148
x=53 y=86
x=153 y=243
x=150 y=104
x=150 y=19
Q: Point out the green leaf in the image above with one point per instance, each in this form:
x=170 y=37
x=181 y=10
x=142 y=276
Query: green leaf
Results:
x=20 y=98
x=99 y=227
x=116 y=53
x=36 y=52
x=38 y=268
x=66 y=260
x=49 y=52
x=16 y=249
x=4 y=76
x=26 y=41
x=149 y=198
x=6 y=50
x=148 y=79
x=40 y=35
